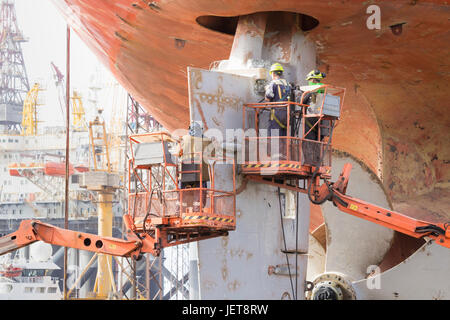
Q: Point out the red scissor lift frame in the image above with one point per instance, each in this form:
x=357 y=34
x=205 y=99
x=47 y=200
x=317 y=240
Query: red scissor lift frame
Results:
x=291 y=165
x=173 y=214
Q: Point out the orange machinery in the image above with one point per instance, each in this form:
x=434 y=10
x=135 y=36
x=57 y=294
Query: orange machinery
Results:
x=168 y=209
x=306 y=144
x=300 y=156
x=164 y=211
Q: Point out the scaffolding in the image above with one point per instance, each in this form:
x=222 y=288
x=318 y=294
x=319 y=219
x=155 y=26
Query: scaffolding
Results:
x=78 y=122
x=155 y=273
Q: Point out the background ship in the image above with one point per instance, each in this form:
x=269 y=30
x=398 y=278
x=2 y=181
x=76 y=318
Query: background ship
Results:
x=32 y=278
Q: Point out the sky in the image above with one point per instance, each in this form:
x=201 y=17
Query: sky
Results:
x=45 y=28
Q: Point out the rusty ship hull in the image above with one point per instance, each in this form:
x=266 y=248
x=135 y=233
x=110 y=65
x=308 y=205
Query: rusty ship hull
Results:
x=394 y=124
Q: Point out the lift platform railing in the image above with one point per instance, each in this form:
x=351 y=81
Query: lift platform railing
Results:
x=162 y=196
x=289 y=150
x=302 y=142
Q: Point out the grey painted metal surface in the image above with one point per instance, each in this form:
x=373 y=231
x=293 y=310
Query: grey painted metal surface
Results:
x=316 y=259
x=237 y=266
x=424 y=275
x=241 y=265
x=353 y=244
x=216 y=98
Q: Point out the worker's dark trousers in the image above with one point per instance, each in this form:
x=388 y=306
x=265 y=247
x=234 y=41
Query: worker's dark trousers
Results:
x=311 y=150
x=272 y=132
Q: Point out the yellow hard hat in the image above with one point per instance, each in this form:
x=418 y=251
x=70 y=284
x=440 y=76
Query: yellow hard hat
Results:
x=276 y=67
x=315 y=74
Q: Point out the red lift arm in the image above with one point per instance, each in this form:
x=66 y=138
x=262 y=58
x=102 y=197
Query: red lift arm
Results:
x=33 y=230
x=440 y=232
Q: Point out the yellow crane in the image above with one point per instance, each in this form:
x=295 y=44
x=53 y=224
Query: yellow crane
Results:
x=99 y=145
x=29 y=113
x=104 y=281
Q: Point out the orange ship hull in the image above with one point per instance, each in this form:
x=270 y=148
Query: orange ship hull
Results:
x=394 y=121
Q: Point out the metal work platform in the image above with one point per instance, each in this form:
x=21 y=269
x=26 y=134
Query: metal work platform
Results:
x=301 y=146
x=169 y=193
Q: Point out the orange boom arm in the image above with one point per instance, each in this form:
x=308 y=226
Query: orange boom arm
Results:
x=138 y=242
x=440 y=232
x=33 y=230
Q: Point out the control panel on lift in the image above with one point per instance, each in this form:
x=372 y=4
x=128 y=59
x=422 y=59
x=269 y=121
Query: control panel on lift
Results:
x=301 y=146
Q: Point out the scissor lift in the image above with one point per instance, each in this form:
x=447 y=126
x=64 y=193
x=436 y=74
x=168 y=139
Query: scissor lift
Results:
x=305 y=151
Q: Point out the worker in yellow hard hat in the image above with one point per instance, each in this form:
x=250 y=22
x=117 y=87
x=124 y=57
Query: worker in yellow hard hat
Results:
x=278 y=90
x=311 y=150
x=315 y=76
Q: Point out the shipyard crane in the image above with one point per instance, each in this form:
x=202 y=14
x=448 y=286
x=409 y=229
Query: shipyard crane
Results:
x=14 y=83
x=29 y=114
x=78 y=122
x=60 y=86
x=102 y=180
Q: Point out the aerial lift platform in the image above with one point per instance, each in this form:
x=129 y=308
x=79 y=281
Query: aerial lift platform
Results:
x=301 y=159
x=167 y=203
x=304 y=153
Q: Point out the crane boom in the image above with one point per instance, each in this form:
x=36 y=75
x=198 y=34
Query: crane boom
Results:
x=440 y=232
x=31 y=231
x=61 y=87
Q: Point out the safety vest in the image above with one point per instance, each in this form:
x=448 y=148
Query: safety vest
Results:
x=311 y=83
x=316 y=84
x=283 y=91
